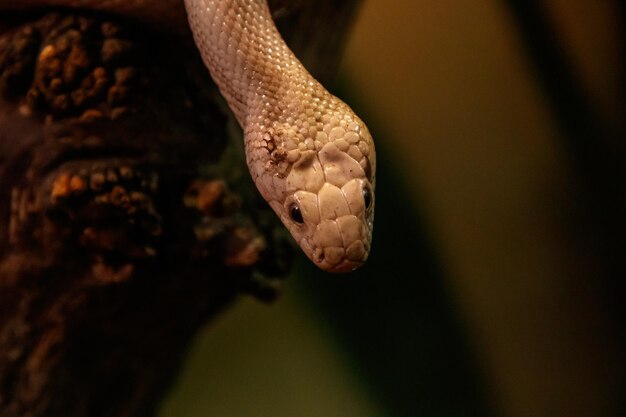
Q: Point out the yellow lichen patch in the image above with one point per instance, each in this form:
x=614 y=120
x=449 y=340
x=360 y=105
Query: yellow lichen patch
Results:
x=205 y=196
x=119 y=196
x=245 y=248
x=77 y=184
x=47 y=52
x=61 y=187
x=107 y=274
x=210 y=194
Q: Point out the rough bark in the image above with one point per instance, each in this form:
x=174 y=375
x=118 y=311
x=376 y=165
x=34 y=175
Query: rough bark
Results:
x=127 y=219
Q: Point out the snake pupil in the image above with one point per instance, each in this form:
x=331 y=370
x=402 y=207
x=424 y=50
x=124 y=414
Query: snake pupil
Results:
x=367 y=196
x=296 y=214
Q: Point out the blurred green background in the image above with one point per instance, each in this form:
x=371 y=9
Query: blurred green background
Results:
x=486 y=290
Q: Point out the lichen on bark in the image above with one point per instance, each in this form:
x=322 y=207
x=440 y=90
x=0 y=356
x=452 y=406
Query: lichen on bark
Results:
x=114 y=248
x=127 y=216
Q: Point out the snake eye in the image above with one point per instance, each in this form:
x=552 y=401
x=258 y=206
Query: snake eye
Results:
x=367 y=196
x=296 y=214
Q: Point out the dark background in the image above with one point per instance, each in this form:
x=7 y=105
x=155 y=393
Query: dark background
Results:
x=494 y=285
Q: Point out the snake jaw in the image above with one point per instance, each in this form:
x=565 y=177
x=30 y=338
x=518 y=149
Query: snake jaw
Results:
x=340 y=245
x=334 y=227
x=333 y=199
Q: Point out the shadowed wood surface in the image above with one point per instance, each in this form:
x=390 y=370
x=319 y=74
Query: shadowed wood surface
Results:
x=127 y=219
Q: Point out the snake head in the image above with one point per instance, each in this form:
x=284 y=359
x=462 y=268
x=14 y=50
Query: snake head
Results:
x=329 y=207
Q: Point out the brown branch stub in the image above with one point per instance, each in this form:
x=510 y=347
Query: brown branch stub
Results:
x=113 y=249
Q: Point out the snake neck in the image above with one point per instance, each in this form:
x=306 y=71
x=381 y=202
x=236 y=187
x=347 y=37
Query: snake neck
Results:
x=246 y=56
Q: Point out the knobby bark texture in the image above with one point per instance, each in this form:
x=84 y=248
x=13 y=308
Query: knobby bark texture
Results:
x=127 y=218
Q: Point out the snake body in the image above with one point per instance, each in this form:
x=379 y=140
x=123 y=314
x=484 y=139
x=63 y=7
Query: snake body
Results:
x=310 y=156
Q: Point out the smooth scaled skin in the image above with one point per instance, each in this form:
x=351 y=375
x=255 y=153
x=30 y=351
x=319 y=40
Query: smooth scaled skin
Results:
x=310 y=156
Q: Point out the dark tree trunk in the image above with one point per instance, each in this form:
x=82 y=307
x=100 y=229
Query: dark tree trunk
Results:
x=127 y=218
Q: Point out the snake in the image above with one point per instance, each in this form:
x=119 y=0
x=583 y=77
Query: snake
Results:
x=311 y=157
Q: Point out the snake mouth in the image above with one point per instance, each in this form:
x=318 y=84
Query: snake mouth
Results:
x=337 y=259
x=345 y=266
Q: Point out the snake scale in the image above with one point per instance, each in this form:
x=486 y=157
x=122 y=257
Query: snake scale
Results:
x=311 y=158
